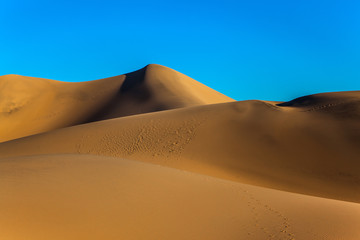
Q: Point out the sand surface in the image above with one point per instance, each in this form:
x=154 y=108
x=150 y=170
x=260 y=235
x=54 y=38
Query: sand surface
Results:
x=92 y=197
x=156 y=155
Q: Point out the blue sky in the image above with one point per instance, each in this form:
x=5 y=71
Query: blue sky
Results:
x=254 y=49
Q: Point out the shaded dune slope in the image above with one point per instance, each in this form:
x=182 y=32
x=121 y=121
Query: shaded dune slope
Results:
x=156 y=88
x=33 y=105
x=289 y=146
x=339 y=104
x=94 y=197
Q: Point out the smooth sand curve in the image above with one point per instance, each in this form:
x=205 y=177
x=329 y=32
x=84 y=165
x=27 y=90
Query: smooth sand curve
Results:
x=94 y=197
x=287 y=148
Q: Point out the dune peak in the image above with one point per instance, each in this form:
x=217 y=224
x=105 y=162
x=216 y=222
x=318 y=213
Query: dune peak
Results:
x=51 y=104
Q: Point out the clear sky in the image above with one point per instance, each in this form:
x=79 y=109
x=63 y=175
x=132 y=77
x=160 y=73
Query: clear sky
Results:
x=253 y=49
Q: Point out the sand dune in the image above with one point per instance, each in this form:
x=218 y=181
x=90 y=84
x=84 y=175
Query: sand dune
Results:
x=88 y=197
x=283 y=147
x=33 y=105
x=103 y=162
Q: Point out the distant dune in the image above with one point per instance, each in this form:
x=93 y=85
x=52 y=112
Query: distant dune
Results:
x=189 y=163
x=33 y=105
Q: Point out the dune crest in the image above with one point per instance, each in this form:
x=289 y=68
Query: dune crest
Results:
x=31 y=105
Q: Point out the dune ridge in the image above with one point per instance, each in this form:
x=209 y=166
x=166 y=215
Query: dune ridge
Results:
x=153 y=154
x=31 y=105
x=255 y=142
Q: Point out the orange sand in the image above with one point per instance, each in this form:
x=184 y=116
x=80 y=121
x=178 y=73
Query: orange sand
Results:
x=206 y=168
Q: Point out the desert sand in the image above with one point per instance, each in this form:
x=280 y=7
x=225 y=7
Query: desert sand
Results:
x=154 y=154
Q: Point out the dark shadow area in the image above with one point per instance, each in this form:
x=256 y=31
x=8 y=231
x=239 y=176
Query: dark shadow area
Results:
x=300 y=102
x=134 y=82
x=132 y=91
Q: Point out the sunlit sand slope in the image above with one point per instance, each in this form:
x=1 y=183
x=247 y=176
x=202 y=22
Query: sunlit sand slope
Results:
x=93 y=197
x=309 y=147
